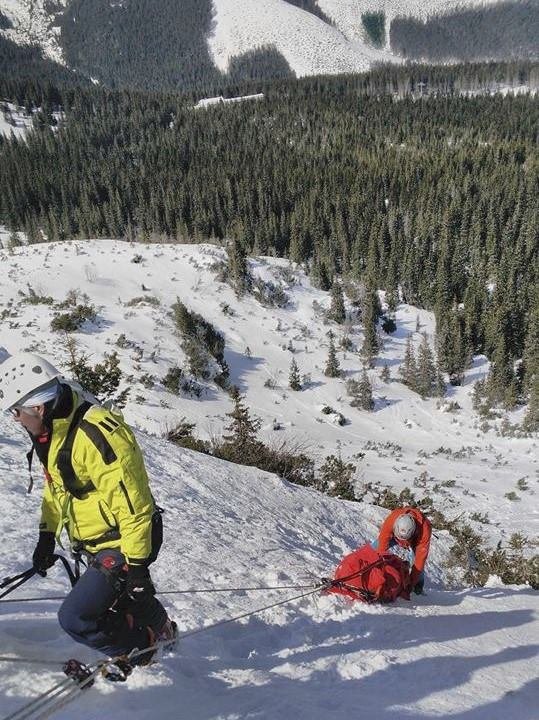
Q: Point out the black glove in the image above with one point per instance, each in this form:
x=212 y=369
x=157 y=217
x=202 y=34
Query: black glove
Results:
x=43 y=559
x=139 y=585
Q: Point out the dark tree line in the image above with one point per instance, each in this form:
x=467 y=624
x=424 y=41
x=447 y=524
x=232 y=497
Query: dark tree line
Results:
x=27 y=62
x=312 y=7
x=436 y=198
x=5 y=22
x=496 y=32
x=375 y=26
x=154 y=45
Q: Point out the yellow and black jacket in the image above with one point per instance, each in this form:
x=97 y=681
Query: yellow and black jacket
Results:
x=107 y=502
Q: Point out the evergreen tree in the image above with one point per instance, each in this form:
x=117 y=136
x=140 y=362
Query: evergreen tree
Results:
x=102 y=379
x=238 y=268
x=530 y=357
x=294 y=378
x=451 y=346
x=408 y=369
x=370 y=310
x=439 y=386
x=337 y=311
x=332 y=365
x=426 y=370
x=385 y=375
x=502 y=375
x=240 y=442
x=361 y=392
x=531 y=419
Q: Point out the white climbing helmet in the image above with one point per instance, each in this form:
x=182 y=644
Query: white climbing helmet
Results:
x=27 y=377
x=404 y=527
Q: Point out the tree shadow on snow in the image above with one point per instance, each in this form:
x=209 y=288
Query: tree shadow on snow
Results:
x=241 y=365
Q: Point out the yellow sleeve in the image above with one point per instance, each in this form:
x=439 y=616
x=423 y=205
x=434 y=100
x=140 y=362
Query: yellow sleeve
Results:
x=50 y=513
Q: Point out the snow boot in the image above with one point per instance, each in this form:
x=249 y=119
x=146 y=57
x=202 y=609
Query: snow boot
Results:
x=164 y=639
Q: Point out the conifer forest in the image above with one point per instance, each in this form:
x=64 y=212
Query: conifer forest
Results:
x=398 y=179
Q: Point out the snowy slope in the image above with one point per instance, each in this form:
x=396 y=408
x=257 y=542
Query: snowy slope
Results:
x=346 y=14
x=407 y=441
x=460 y=654
x=310 y=45
x=14 y=122
x=33 y=24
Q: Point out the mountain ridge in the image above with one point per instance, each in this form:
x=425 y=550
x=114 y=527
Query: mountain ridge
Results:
x=187 y=45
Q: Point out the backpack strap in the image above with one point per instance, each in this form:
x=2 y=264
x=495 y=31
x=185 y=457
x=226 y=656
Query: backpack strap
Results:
x=64 y=461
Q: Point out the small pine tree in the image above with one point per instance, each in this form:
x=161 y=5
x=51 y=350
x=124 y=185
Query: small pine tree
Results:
x=439 y=384
x=481 y=400
x=294 y=379
x=530 y=356
x=337 y=311
x=370 y=314
x=238 y=268
x=426 y=370
x=336 y=478
x=408 y=369
x=241 y=442
x=385 y=375
x=13 y=240
x=102 y=379
x=361 y=392
x=332 y=365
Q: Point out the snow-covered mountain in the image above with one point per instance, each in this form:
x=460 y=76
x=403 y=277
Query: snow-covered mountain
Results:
x=309 y=44
x=459 y=653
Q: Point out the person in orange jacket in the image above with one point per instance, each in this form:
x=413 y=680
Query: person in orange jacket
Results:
x=408 y=528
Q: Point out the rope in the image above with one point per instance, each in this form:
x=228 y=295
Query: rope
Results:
x=59 y=695
x=177 y=592
x=30 y=661
x=220 y=623
x=56 y=697
x=13 y=583
x=37 y=704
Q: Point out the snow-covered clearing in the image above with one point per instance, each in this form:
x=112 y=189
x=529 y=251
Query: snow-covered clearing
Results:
x=457 y=653
x=14 y=121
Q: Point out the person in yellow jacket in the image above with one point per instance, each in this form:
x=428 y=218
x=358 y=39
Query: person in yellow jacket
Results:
x=97 y=492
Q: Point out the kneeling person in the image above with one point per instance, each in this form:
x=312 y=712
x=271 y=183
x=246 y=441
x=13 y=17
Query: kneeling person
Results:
x=410 y=529
x=97 y=490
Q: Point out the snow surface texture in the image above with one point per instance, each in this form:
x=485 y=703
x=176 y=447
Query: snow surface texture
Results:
x=310 y=45
x=459 y=654
x=463 y=654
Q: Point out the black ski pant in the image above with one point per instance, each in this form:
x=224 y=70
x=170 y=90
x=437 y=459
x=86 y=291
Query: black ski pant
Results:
x=97 y=613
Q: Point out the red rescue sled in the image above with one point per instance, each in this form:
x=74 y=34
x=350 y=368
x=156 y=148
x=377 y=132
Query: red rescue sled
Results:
x=371 y=576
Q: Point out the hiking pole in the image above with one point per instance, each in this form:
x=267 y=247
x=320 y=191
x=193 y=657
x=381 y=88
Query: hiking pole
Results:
x=16 y=581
